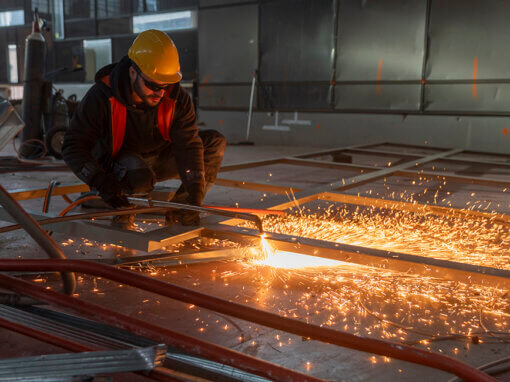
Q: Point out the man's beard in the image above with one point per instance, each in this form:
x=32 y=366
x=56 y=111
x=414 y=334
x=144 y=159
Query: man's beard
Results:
x=148 y=100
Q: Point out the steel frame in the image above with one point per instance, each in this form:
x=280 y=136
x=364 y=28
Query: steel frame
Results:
x=408 y=166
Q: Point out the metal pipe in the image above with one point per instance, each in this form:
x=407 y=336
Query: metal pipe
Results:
x=38 y=234
x=162 y=335
x=89 y=215
x=384 y=348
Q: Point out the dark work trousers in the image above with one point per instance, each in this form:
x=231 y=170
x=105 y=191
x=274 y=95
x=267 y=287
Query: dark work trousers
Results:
x=138 y=174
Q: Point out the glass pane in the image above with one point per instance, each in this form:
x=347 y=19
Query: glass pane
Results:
x=58 y=19
x=9 y=18
x=142 y=6
x=151 y=5
x=13 y=63
x=98 y=53
x=165 y=21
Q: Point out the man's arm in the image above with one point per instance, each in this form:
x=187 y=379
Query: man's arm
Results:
x=83 y=136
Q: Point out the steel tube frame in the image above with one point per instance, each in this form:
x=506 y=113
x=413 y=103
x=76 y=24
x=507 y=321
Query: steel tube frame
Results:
x=385 y=348
x=180 y=341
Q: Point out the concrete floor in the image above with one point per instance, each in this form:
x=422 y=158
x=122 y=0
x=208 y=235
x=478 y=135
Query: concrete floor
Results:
x=332 y=295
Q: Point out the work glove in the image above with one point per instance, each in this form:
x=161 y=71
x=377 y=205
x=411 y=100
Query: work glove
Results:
x=187 y=217
x=111 y=192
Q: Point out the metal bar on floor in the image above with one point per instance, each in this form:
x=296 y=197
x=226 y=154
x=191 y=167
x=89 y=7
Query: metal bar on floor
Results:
x=82 y=364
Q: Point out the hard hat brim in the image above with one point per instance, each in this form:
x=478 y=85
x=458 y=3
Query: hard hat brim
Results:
x=167 y=78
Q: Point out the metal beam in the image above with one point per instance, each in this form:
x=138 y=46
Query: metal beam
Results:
x=491 y=182
x=399 y=262
x=267 y=162
x=412 y=207
x=253 y=186
x=329 y=165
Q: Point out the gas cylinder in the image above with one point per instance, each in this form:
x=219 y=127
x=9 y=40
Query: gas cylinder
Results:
x=33 y=82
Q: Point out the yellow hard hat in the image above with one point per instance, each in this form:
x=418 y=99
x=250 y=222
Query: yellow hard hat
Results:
x=156 y=55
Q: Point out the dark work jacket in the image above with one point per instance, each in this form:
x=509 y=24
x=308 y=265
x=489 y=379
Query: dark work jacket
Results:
x=87 y=148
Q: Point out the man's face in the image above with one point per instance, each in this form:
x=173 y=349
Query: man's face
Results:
x=150 y=92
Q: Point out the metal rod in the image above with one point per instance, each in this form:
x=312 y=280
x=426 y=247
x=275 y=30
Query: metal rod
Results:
x=162 y=335
x=385 y=348
x=251 y=104
x=89 y=215
x=38 y=234
x=213 y=211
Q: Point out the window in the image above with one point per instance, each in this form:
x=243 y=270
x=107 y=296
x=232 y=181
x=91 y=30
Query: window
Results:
x=165 y=21
x=12 y=57
x=57 y=16
x=9 y=18
x=98 y=53
x=147 y=6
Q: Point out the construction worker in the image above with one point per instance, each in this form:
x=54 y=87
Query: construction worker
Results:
x=136 y=126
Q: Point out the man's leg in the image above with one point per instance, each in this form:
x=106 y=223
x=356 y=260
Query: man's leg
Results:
x=136 y=177
x=214 y=150
x=165 y=166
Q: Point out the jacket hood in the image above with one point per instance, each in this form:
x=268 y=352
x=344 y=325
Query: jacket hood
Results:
x=120 y=84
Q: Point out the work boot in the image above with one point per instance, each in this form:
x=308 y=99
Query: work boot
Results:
x=126 y=222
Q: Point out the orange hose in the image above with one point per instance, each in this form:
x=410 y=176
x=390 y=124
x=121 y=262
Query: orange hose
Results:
x=77 y=203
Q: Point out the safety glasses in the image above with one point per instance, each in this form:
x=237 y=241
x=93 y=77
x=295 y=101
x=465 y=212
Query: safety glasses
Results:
x=149 y=84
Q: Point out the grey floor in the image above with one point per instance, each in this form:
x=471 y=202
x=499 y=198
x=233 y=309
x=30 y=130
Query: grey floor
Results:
x=328 y=296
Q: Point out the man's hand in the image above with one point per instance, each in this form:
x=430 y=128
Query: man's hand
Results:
x=111 y=193
x=187 y=217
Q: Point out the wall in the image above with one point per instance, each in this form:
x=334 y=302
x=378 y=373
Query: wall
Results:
x=416 y=71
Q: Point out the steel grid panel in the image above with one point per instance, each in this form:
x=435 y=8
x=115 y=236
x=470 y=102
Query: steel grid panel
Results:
x=297 y=40
x=462 y=31
x=381 y=40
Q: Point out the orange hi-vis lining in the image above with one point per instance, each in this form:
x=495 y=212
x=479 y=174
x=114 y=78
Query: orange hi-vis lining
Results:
x=119 y=113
